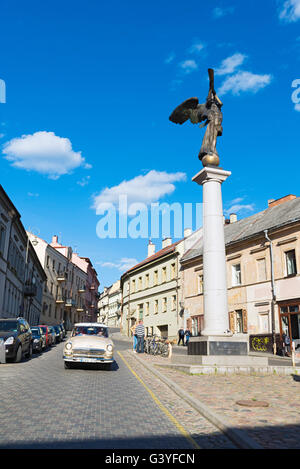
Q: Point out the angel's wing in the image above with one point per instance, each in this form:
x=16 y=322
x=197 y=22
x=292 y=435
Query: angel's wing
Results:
x=184 y=111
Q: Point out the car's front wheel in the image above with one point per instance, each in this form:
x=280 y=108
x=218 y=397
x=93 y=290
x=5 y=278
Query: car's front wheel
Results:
x=18 y=356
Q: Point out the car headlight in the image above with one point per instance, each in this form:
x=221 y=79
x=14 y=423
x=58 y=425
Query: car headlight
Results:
x=9 y=341
x=109 y=348
x=68 y=346
x=35 y=340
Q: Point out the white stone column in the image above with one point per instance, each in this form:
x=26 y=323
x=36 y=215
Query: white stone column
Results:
x=216 y=321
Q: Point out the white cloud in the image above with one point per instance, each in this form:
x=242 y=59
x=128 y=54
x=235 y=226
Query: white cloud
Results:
x=219 y=12
x=33 y=194
x=142 y=189
x=123 y=265
x=236 y=206
x=84 y=181
x=170 y=58
x=188 y=66
x=45 y=153
x=290 y=11
x=230 y=64
x=196 y=47
x=244 y=82
x=297 y=107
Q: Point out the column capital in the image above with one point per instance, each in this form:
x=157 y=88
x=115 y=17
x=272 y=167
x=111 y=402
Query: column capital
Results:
x=209 y=173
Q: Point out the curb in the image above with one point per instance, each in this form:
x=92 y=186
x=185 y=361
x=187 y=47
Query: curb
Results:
x=238 y=436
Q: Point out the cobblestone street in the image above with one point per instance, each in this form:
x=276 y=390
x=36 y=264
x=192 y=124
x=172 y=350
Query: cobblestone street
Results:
x=45 y=406
x=273 y=427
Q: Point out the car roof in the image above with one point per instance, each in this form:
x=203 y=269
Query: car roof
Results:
x=90 y=324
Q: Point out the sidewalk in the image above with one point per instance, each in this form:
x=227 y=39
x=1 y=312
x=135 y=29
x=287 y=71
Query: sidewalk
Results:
x=274 y=427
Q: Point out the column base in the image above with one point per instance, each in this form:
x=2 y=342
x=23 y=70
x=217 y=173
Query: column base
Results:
x=217 y=345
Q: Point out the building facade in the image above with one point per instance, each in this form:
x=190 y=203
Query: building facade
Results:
x=21 y=273
x=263 y=273
x=151 y=290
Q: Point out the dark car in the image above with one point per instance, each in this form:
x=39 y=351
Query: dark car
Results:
x=63 y=332
x=38 y=339
x=53 y=334
x=58 y=333
x=17 y=337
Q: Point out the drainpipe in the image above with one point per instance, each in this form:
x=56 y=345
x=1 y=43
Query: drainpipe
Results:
x=273 y=292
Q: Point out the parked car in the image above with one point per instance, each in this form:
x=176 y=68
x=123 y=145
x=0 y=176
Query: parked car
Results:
x=63 y=332
x=53 y=334
x=89 y=343
x=17 y=337
x=58 y=334
x=47 y=334
x=38 y=339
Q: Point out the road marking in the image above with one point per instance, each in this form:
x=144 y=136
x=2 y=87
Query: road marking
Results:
x=162 y=407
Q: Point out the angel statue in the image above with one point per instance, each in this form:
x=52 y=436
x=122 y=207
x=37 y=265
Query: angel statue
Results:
x=209 y=113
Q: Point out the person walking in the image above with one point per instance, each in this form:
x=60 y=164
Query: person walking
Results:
x=133 y=328
x=181 y=336
x=140 y=333
x=187 y=336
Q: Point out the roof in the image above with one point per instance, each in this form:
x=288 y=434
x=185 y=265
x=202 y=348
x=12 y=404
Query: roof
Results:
x=157 y=255
x=273 y=217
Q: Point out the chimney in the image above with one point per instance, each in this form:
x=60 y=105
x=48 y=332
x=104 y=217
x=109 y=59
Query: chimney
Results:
x=233 y=217
x=282 y=200
x=54 y=239
x=187 y=232
x=151 y=248
x=166 y=242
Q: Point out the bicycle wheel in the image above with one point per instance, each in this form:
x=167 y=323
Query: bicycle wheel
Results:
x=165 y=350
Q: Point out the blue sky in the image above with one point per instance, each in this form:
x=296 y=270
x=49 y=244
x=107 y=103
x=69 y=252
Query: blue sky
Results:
x=89 y=89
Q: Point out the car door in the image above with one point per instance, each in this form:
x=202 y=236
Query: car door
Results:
x=22 y=336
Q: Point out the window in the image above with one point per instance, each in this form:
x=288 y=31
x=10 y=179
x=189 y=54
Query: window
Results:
x=133 y=286
x=53 y=264
x=261 y=269
x=164 y=305
x=290 y=259
x=200 y=284
x=155 y=277
x=47 y=261
x=155 y=306
x=140 y=284
x=141 y=311
x=164 y=274
x=173 y=302
x=2 y=238
x=173 y=271
x=236 y=275
x=147 y=309
x=147 y=281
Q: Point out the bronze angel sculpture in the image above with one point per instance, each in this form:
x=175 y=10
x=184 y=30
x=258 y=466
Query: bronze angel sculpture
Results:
x=209 y=113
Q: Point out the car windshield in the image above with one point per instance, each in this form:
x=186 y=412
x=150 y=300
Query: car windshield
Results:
x=8 y=326
x=35 y=331
x=90 y=330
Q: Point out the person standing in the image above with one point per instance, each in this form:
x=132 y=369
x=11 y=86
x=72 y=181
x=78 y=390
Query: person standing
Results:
x=181 y=336
x=133 y=328
x=140 y=333
x=187 y=336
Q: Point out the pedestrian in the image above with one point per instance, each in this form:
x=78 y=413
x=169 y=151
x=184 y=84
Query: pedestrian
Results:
x=140 y=332
x=181 y=336
x=134 y=337
x=187 y=336
x=286 y=344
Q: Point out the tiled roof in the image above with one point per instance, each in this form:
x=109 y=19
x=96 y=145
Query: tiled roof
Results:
x=157 y=255
x=273 y=217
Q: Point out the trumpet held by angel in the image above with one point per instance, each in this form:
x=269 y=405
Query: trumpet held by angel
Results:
x=209 y=115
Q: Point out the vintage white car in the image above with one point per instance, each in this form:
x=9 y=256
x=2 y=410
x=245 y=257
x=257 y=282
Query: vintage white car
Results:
x=89 y=343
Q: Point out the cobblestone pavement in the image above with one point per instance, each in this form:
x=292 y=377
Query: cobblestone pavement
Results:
x=276 y=426
x=206 y=435
x=45 y=406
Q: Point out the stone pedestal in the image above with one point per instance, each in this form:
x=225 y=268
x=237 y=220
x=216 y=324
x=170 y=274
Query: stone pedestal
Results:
x=219 y=346
x=216 y=321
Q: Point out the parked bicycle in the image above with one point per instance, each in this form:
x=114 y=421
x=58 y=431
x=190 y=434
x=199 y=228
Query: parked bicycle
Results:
x=156 y=345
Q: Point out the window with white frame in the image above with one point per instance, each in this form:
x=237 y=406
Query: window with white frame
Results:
x=290 y=259
x=236 y=275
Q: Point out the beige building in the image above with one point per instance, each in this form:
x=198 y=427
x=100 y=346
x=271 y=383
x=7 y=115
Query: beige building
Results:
x=258 y=300
x=64 y=291
x=109 y=305
x=151 y=290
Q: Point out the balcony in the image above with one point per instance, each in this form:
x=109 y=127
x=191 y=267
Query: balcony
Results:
x=69 y=303
x=61 y=276
x=82 y=289
x=79 y=309
x=59 y=300
x=30 y=290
